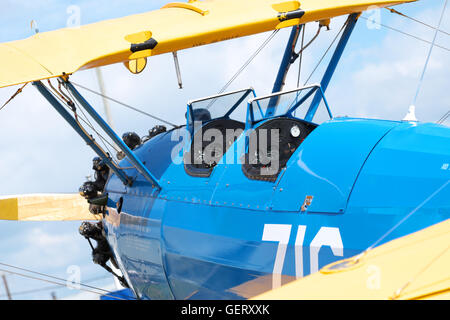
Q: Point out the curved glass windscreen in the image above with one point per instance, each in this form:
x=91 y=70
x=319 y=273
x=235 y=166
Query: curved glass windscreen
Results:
x=231 y=105
x=293 y=103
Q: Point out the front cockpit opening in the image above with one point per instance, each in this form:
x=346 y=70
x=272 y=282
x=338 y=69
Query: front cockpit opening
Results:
x=214 y=124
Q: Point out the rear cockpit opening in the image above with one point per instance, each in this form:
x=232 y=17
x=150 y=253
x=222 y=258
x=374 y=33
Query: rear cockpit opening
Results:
x=276 y=126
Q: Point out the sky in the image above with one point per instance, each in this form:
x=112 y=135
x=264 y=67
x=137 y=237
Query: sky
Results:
x=376 y=78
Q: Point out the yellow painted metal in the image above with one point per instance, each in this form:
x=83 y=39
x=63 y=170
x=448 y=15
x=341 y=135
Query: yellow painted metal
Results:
x=136 y=66
x=174 y=27
x=416 y=266
x=45 y=207
x=188 y=6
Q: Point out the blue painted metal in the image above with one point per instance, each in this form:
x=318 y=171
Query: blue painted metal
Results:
x=351 y=22
x=325 y=102
x=114 y=137
x=314 y=170
x=202 y=238
x=419 y=163
x=124 y=294
x=76 y=126
x=284 y=67
x=292 y=110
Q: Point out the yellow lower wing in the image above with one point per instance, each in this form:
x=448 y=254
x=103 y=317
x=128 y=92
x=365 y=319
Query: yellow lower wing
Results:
x=413 y=267
x=45 y=207
x=174 y=27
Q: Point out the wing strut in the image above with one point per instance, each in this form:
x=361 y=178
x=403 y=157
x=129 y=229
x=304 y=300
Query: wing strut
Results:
x=90 y=141
x=110 y=132
x=284 y=68
x=351 y=22
x=76 y=126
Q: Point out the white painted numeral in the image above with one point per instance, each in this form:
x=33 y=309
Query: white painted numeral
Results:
x=325 y=237
x=280 y=233
x=299 y=251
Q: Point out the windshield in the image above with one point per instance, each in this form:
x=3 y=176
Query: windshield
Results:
x=230 y=105
x=291 y=103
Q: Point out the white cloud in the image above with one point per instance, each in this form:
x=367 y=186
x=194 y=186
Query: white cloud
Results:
x=48 y=249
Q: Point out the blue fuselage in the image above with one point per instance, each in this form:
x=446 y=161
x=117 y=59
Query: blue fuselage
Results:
x=229 y=237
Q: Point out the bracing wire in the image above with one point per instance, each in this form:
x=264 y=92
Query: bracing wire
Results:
x=45 y=275
x=55 y=280
x=74 y=286
x=103 y=140
x=304 y=47
x=13 y=96
x=242 y=68
x=48 y=288
x=252 y=57
x=300 y=62
x=423 y=203
x=301 y=56
x=125 y=105
x=318 y=63
x=325 y=53
x=400 y=290
x=416 y=20
x=89 y=124
x=403 y=32
x=429 y=55
x=444 y=117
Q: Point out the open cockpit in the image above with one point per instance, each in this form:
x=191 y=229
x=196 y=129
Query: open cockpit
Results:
x=274 y=126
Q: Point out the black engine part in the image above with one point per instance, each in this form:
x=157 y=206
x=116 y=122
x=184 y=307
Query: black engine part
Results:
x=102 y=253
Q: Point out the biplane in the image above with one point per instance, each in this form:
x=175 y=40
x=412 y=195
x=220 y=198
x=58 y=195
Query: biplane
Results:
x=251 y=192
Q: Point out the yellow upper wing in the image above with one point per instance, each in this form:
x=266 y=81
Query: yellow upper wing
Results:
x=413 y=267
x=174 y=27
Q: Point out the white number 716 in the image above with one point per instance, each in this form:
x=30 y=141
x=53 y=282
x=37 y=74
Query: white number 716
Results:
x=281 y=233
